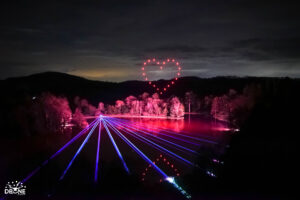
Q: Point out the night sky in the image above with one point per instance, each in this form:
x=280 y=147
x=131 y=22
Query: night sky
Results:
x=109 y=40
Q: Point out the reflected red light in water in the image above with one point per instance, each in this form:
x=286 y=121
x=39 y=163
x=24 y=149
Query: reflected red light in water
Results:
x=195 y=127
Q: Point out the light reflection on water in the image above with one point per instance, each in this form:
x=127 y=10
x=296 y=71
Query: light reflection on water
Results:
x=195 y=125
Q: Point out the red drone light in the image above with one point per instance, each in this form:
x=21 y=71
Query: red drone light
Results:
x=159 y=161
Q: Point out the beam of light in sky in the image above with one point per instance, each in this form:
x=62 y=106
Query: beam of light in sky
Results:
x=59 y=151
x=180 y=133
x=79 y=149
x=138 y=151
x=98 y=150
x=151 y=143
x=150 y=134
x=115 y=146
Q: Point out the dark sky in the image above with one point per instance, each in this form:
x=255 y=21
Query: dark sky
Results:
x=108 y=40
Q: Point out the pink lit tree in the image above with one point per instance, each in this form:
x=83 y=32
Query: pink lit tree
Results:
x=176 y=108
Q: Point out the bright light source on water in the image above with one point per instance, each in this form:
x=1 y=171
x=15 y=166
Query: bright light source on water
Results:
x=170 y=179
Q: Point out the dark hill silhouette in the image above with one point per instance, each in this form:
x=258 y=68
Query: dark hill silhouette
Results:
x=107 y=92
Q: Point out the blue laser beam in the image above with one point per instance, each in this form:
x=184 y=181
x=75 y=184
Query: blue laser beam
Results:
x=160 y=133
x=155 y=139
x=179 y=146
x=98 y=150
x=138 y=151
x=79 y=149
x=115 y=146
x=58 y=152
x=171 y=180
x=180 y=133
x=153 y=143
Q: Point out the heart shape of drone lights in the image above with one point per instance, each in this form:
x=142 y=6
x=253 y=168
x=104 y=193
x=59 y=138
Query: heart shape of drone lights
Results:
x=161 y=65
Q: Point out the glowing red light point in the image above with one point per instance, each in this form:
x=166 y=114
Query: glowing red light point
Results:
x=172 y=166
x=146 y=79
x=165 y=89
x=177 y=174
x=173 y=60
x=143 y=68
x=160 y=180
x=168 y=85
x=150 y=83
x=168 y=163
x=176 y=78
x=149 y=60
x=164 y=159
x=160 y=92
x=168 y=60
x=158 y=63
x=178 y=74
x=172 y=82
x=161 y=67
x=160 y=155
x=179 y=68
x=144 y=74
x=145 y=63
x=177 y=63
x=154 y=85
x=164 y=63
x=157 y=89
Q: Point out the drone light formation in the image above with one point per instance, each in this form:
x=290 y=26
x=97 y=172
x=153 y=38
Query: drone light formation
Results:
x=123 y=129
x=161 y=66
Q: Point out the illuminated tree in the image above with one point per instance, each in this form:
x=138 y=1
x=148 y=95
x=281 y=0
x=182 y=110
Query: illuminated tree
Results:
x=176 y=108
x=79 y=119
